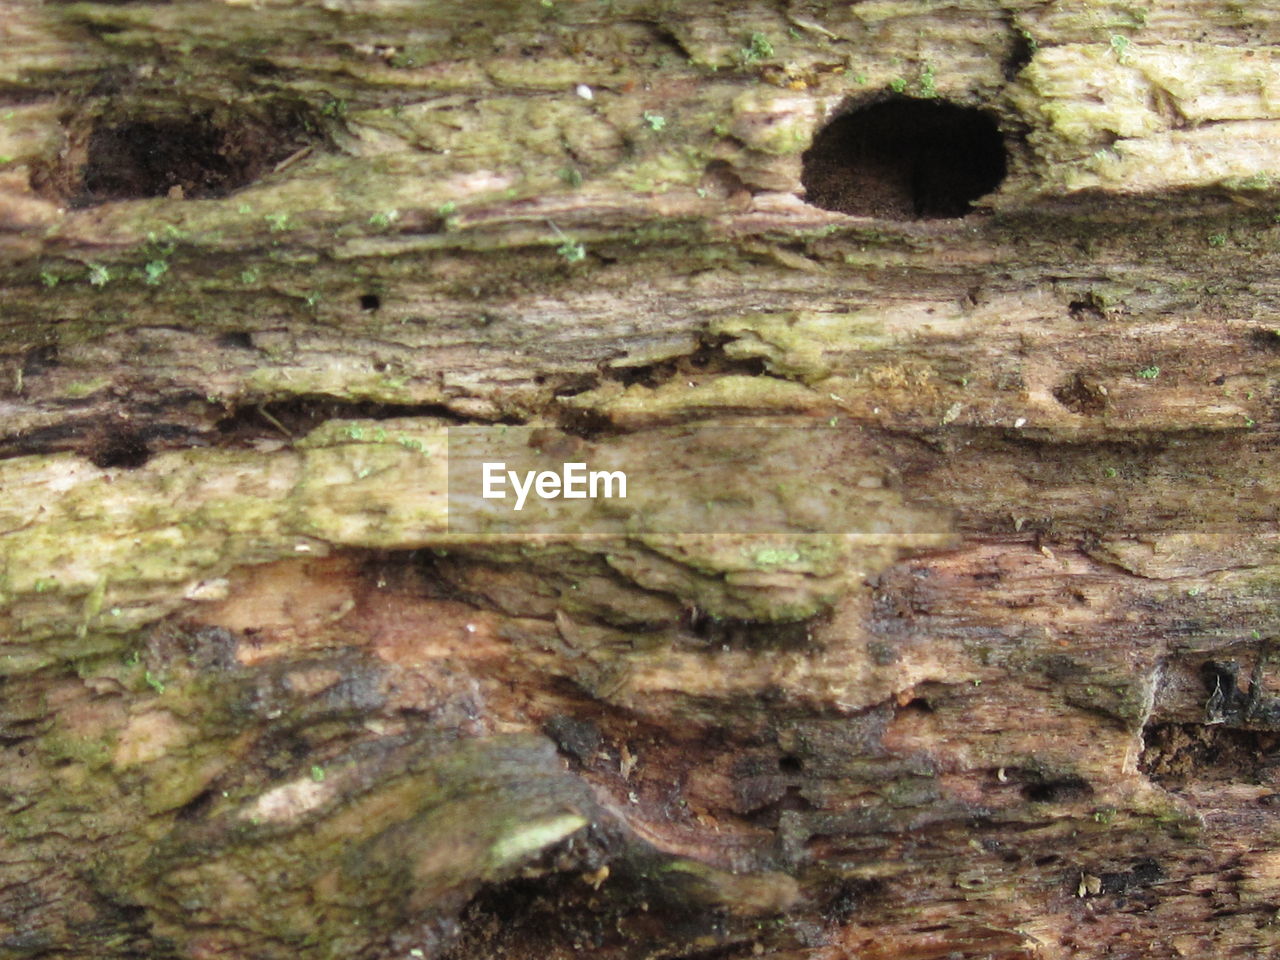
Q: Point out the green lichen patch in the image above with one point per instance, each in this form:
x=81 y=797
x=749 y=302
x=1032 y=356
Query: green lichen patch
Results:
x=805 y=345
x=638 y=405
x=1122 y=115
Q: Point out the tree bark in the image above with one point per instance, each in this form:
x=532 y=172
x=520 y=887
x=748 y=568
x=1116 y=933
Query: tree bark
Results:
x=942 y=339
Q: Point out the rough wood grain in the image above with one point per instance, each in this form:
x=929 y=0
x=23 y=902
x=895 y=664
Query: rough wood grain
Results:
x=998 y=687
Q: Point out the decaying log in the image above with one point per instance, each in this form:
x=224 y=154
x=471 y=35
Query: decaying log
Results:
x=940 y=624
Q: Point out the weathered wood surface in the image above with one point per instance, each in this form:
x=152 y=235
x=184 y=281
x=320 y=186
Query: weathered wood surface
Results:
x=258 y=701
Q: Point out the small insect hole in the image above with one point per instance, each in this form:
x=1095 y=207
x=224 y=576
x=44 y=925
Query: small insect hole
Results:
x=1087 y=309
x=1081 y=396
x=1057 y=791
x=236 y=340
x=123 y=449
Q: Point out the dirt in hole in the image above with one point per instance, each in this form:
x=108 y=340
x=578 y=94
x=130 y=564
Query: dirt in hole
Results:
x=1178 y=753
x=905 y=159
x=185 y=155
x=1081 y=396
x=1088 y=308
x=121 y=448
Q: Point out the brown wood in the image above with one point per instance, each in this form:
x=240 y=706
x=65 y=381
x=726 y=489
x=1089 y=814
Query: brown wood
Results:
x=952 y=637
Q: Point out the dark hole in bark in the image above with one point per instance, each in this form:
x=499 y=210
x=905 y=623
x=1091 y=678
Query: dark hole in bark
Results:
x=564 y=916
x=183 y=157
x=587 y=424
x=790 y=764
x=196 y=808
x=752 y=634
x=1020 y=53
x=237 y=339
x=649 y=375
x=370 y=301
x=1143 y=873
x=1263 y=339
x=124 y=449
x=39 y=359
x=1080 y=396
x=905 y=159
x=1086 y=309
x=1057 y=791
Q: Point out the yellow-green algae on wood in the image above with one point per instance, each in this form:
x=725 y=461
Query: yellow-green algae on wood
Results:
x=113 y=549
x=804 y=344
x=147 y=539
x=1134 y=117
